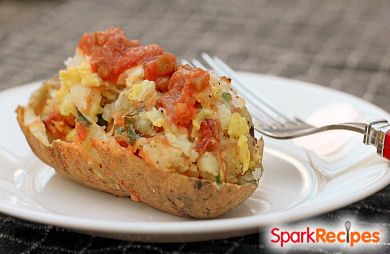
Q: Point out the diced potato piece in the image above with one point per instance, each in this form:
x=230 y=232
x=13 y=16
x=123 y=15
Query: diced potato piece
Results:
x=156 y=117
x=224 y=115
x=207 y=162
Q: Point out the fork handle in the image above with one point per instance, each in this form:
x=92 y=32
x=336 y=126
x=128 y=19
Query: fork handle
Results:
x=377 y=133
x=386 y=147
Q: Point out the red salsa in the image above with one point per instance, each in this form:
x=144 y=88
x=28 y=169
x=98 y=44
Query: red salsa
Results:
x=112 y=53
x=209 y=136
x=179 y=101
x=59 y=125
x=159 y=69
x=209 y=141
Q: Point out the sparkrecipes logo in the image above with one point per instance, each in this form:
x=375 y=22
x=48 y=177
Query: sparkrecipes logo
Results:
x=346 y=235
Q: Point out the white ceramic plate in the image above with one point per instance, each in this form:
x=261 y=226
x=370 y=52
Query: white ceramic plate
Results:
x=334 y=170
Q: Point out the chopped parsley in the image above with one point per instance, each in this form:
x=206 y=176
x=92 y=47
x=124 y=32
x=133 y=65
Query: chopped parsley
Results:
x=130 y=135
x=226 y=96
x=218 y=179
x=81 y=119
x=101 y=121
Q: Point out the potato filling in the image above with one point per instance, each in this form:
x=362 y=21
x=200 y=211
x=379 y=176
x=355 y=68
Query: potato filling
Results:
x=177 y=118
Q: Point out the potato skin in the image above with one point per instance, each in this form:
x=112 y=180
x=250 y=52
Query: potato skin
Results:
x=124 y=174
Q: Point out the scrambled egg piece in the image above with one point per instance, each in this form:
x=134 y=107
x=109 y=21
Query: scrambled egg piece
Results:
x=64 y=101
x=141 y=91
x=237 y=126
x=243 y=152
x=78 y=75
x=81 y=74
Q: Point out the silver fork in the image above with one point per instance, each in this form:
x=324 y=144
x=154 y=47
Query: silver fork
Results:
x=272 y=121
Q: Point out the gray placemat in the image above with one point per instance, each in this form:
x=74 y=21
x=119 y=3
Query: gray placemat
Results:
x=337 y=43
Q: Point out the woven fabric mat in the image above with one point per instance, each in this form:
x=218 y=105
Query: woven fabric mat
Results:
x=336 y=43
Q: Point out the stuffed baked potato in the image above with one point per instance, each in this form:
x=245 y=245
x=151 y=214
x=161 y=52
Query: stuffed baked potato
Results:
x=127 y=119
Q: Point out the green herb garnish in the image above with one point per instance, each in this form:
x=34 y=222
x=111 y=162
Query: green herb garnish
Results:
x=120 y=130
x=129 y=134
x=101 y=121
x=81 y=119
x=218 y=179
x=132 y=136
x=226 y=96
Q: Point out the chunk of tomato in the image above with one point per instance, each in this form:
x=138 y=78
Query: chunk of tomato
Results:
x=209 y=136
x=179 y=100
x=159 y=66
x=112 y=53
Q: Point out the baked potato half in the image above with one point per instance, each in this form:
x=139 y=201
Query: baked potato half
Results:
x=175 y=137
